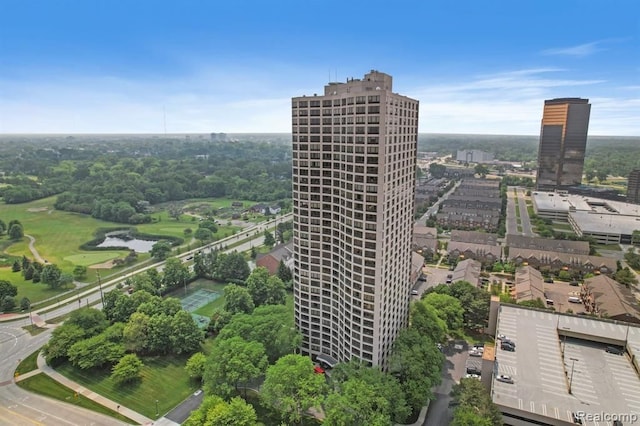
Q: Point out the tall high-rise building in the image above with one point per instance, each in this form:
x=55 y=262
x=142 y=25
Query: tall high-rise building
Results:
x=354 y=165
x=563 y=140
x=633 y=187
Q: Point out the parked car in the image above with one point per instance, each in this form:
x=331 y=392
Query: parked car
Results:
x=614 y=350
x=505 y=379
x=507 y=347
x=548 y=280
x=414 y=292
x=474 y=352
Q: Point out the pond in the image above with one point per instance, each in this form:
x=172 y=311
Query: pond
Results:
x=140 y=246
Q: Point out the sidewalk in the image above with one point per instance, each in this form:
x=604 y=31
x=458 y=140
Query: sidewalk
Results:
x=43 y=367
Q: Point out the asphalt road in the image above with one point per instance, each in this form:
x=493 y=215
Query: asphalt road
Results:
x=18 y=407
x=454 y=369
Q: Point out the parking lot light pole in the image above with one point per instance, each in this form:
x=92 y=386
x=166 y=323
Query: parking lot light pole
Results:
x=573 y=361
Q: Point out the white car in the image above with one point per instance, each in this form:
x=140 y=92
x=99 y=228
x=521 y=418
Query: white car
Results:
x=505 y=379
x=472 y=376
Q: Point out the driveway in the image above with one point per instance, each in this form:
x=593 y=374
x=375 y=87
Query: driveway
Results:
x=440 y=413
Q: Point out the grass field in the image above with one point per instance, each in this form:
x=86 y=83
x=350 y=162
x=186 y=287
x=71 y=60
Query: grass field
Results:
x=34 y=292
x=44 y=385
x=91 y=258
x=30 y=363
x=163 y=379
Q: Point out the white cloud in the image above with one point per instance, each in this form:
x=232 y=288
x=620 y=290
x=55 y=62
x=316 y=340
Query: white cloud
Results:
x=580 y=50
x=252 y=100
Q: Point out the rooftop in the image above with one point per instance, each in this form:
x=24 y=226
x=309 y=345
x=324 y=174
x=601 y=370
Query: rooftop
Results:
x=542 y=364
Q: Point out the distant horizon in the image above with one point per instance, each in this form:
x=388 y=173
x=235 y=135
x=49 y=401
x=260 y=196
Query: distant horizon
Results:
x=162 y=66
x=279 y=133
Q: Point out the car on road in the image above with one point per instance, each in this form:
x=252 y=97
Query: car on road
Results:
x=475 y=352
x=472 y=376
x=548 y=280
x=505 y=379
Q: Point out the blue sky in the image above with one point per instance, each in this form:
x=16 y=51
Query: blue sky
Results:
x=121 y=66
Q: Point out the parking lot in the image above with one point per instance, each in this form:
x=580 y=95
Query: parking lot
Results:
x=560 y=292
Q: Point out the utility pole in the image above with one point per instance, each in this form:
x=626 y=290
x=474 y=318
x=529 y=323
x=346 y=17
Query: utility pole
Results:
x=573 y=361
x=100 y=286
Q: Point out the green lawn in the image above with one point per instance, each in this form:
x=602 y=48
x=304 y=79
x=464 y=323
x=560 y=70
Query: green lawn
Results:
x=30 y=363
x=58 y=234
x=612 y=247
x=562 y=225
x=44 y=385
x=34 y=292
x=91 y=258
x=163 y=379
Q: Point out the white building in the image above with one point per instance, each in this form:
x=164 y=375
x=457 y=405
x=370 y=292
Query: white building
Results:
x=354 y=159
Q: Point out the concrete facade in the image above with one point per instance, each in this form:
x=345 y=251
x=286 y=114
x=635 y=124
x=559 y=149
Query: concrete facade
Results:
x=354 y=159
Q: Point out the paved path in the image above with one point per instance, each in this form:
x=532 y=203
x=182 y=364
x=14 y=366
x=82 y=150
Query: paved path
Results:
x=44 y=368
x=34 y=252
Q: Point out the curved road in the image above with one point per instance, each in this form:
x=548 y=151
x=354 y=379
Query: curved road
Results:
x=18 y=407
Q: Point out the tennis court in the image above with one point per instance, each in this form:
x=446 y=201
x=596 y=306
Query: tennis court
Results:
x=197 y=299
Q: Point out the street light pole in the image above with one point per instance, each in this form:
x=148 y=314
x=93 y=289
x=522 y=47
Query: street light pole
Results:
x=100 y=287
x=573 y=361
x=30 y=317
x=157 y=412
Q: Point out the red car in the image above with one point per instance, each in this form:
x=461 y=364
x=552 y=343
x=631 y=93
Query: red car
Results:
x=318 y=370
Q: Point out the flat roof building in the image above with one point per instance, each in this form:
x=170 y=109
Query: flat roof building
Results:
x=561 y=370
x=633 y=187
x=354 y=162
x=563 y=140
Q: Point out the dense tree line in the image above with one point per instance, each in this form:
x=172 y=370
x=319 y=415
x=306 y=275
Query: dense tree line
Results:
x=117 y=183
x=140 y=324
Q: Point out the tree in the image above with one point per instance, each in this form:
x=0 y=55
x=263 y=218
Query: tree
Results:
x=203 y=234
x=16 y=232
x=92 y=321
x=7 y=289
x=357 y=403
x=185 y=336
x=292 y=387
x=232 y=362
x=136 y=333
x=269 y=240
x=417 y=363
x=425 y=319
x=237 y=299
x=215 y=411
x=481 y=170
x=392 y=403
x=275 y=291
x=127 y=370
x=62 y=338
x=208 y=224
x=50 y=275
x=175 y=273
x=25 y=304
x=195 y=365
x=475 y=406
x=95 y=352
x=601 y=175
x=175 y=211
x=7 y=303
x=231 y=267
x=161 y=250
x=284 y=273
x=257 y=285
x=625 y=277
x=16 y=267
x=80 y=272
x=65 y=280
x=448 y=308
x=437 y=170
x=158 y=340
x=271 y=325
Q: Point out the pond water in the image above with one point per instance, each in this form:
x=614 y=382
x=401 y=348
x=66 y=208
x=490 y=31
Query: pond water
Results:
x=140 y=246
